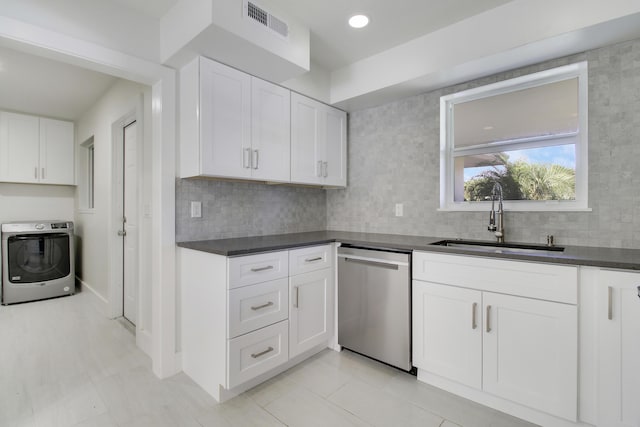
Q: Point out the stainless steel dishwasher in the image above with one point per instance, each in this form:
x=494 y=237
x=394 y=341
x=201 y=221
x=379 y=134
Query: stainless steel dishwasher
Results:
x=374 y=304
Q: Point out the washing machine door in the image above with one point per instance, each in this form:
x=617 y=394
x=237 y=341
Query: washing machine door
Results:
x=38 y=257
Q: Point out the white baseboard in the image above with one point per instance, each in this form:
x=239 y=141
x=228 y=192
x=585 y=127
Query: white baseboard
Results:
x=86 y=287
x=144 y=341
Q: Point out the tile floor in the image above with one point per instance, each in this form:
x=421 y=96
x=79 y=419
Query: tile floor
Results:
x=63 y=363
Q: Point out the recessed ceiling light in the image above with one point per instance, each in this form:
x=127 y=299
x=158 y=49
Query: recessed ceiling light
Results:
x=359 y=21
x=487 y=128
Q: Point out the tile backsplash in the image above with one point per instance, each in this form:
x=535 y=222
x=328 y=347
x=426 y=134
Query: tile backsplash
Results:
x=239 y=209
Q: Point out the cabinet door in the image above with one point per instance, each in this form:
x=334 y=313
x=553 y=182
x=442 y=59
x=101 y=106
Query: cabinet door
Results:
x=530 y=353
x=307 y=143
x=447 y=332
x=225 y=121
x=57 y=162
x=619 y=349
x=271 y=131
x=19 y=147
x=311 y=310
x=336 y=147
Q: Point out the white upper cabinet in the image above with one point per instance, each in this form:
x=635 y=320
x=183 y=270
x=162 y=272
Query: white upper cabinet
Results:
x=56 y=152
x=36 y=150
x=318 y=143
x=232 y=125
x=271 y=131
x=619 y=349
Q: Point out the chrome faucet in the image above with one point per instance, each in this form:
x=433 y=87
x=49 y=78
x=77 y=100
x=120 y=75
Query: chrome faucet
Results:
x=498 y=230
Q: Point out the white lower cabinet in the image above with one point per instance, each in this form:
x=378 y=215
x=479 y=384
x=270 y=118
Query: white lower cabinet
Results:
x=499 y=348
x=618 y=312
x=238 y=323
x=311 y=312
x=257 y=352
x=452 y=351
x=530 y=353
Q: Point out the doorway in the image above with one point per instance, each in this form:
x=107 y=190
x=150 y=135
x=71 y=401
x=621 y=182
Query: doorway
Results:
x=130 y=222
x=126 y=218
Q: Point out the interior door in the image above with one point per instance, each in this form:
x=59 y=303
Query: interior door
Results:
x=130 y=214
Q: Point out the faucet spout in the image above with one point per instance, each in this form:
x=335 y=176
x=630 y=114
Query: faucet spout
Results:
x=496 y=228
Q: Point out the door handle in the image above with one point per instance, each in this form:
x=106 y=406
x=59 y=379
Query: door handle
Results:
x=474 y=325
x=326 y=167
x=122 y=233
x=488 y=318
x=638 y=291
x=246 y=158
x=256 y=156
x=610 y=303
x=296 y=299
x=319 y=173
x=43 y=173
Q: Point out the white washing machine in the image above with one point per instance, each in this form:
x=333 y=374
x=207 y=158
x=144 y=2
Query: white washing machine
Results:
x=37 y=260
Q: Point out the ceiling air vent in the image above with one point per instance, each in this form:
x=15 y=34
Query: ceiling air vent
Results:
x=262 y=17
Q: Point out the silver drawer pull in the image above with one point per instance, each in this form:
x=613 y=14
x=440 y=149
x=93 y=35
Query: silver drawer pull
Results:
x=268 y=267
x=610 y=303
x=259 y=307
x=488 y=318
x=313 y=259
x=262 y=353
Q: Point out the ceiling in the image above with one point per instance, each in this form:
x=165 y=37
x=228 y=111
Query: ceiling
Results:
x=153 y=8
x=334 y=44
x=40 y=86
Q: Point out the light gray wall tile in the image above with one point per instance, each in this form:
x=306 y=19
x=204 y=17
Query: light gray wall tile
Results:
x=239 y=209
x=394 y=158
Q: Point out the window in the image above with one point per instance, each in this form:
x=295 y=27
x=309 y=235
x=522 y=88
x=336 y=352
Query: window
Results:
x=528 y=133
x=87 y=171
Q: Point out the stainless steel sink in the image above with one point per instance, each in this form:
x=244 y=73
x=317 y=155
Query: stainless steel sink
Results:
x=500 y=248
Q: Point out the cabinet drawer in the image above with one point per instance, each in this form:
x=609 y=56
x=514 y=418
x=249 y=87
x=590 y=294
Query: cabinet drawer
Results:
x=253 y=307
x=247 y=270
x=529 y=279
x=305 y=260
x=257 y=352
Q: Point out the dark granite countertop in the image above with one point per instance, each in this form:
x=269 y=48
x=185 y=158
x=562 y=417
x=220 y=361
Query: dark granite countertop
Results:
x=573 y=255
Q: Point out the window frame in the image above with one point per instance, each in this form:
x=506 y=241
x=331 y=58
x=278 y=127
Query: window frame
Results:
x=580 y=138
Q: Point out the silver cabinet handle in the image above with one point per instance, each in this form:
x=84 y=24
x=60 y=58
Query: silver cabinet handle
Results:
x=488 y=318
x=35 y=173
x=260 y=307
x=326 y=167
x=610 y=303
x=313 y=259
x=268 y=267
x=122 y=233
x=638 y=291
x=296 y=300
x=246 y=158
x=262 y=353
x=474 y=325
x=42 y=173
x=319 y=170
x=256 y=157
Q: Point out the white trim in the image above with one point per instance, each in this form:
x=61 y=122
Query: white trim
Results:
x=29 y=38
x=84 y=287
x=447 y=154
x=144 y=341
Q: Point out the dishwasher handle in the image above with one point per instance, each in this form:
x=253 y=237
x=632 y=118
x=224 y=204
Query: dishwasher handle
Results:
x=374 y=262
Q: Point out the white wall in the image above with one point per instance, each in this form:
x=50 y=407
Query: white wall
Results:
x=93 y=225
x=105 y=23
x=25 y=202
